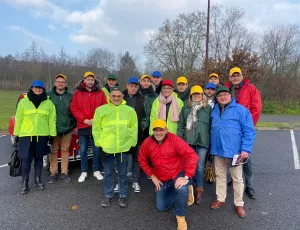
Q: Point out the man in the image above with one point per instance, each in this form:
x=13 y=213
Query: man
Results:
x=173 y=165
x=247 y=95
x=167 y=106
x=87 y=97
x=65 y=123
x=157 y=80
x=210 y=90
x=146 y=89
x=110 y=82
x=232 y=133
x=182 y=89
x=214 y=78
x=115 y=131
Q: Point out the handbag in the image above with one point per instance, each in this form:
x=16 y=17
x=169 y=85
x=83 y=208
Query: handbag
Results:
x=209 y=173
x=15 y=164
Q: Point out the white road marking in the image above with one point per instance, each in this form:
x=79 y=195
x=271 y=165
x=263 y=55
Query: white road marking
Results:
x=295 y=151
x=3 y=135
x=2 y=166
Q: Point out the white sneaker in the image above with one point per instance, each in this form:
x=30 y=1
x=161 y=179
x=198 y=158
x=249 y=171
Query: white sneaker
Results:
x=136 y=187
x=98 y=175
x=116 y=189
x=82 y=177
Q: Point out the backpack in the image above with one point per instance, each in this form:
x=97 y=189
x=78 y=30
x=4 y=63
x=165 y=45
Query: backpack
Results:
x=15 y=164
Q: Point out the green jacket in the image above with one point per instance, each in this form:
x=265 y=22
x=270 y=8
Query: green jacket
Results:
x=30 y=121
x=65 y=122
x=115 y=128
x=106 y=93
x=201 y=134
x=171 y=125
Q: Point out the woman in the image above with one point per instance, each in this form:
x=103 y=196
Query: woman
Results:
x=194 y=128
x=35 y=122
x=166 y=107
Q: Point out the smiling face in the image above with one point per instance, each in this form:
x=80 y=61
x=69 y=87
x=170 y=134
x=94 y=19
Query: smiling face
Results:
x=37 y=90
x=197 y=97
x=167 y=90
x=60 y=83
x=116 y=97
x=224 y=98
x=145 y=83
x=210 y=92
x=159 y=134
x=214 y=80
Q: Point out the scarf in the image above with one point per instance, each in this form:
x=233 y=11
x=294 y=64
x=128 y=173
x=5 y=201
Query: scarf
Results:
x=192 y=117
x=36 y=99
x=162 y=108
x=183 y=96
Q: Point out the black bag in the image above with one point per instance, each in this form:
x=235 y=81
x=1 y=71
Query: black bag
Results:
x=15 y=164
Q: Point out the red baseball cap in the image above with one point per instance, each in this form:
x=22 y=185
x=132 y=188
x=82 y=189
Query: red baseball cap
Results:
x=167 y=82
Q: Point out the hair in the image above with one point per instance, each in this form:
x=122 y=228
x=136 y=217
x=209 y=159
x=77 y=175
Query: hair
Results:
x=204 y=100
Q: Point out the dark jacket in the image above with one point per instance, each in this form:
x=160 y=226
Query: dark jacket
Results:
x=183 y=96
x=199 y=135
x=150 y=95
x=84 y=104
x=65 y=122
x=158 y=88
x=140 y=111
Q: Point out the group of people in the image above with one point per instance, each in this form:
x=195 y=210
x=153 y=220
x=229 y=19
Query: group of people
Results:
x=167 y=129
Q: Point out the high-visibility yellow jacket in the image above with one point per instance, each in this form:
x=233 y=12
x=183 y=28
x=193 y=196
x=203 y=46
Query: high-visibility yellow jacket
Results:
x=31 y=121
x=115 y=128
x=171 y=125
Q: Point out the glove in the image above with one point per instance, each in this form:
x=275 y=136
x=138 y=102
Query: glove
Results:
x=50 y=141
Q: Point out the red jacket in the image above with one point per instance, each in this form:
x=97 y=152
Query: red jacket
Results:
x=250 y=98
x=84 y=102
x=168 y=159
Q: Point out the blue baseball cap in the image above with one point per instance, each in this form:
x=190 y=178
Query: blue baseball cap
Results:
x=133 y=80
x=38 y=83
x=210 y=85
x=156 y=74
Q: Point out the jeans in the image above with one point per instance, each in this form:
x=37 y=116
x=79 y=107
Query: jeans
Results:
x=109 y=166
x=199 y=175
x=135 y=166
x=247 y=168
x=83 y=144
x=168 y=195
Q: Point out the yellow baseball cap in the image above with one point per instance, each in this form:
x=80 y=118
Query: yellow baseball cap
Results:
x=196 y=89
x=213 y=75
x=182 y=79
x=61 y=75
x=159 y=123
x=144 y=76
x=87 y=74
x=235 y=70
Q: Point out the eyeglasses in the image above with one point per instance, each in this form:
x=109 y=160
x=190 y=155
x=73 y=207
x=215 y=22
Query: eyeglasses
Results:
x=223 y=95
x=60 y=82
x=166 y=89
x=116 y=96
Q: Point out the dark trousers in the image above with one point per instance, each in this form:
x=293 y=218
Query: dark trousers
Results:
x=168 y=196
x=247 y=168
x=135 y=166
x=26 y=166
x=109 y=166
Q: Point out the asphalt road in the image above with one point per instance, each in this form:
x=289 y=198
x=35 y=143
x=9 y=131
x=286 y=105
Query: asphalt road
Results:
x=277 y=207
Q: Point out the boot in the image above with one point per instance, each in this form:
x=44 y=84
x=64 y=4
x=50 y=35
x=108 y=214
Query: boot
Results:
x=181 y=223
x=24 y=188
x=199 y=192
x=39 y=184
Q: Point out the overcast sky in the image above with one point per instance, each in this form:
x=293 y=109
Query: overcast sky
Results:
x=117 y=25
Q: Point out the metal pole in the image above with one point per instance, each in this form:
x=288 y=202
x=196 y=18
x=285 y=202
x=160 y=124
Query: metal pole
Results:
x=207 y=39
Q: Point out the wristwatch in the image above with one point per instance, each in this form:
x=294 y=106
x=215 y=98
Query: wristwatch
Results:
x=186 y=177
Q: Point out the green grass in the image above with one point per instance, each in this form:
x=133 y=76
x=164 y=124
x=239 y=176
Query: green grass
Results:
x=280 y=125
x=289 y=107
x=8 y=100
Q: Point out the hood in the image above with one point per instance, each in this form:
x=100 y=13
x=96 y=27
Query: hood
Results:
x=81 y=86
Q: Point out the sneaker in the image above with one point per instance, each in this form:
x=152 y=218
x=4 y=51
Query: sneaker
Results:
x=82 y=177
x=106 y=202
x=123 y=202
x=66 y=177
x=136 y=187
x=52 y=178
x=116 y=189
x=98 y=175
